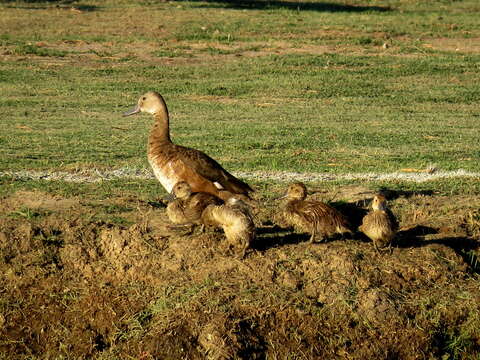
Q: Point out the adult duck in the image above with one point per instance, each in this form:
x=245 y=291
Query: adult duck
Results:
x=173 y=163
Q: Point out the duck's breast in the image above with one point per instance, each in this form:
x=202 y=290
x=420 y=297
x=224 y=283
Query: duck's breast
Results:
x=165 y=173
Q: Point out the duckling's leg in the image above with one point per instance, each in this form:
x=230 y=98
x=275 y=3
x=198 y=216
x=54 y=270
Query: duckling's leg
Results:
x=390 y=248
x=376 y=248
x=243 y=253
x=186 y=227
x=314 y=234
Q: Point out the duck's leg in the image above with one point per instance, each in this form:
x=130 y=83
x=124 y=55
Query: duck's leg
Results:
x=314 y=235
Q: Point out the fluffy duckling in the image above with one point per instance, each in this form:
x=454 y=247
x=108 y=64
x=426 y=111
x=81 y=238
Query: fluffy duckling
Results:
x=380 y=225
x=312 y=216
x=188 y=206
x=172 y=163
x=236 y=220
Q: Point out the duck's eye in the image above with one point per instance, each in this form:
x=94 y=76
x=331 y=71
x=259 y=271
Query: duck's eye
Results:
x=144 y=98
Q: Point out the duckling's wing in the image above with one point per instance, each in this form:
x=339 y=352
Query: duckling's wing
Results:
x=210 y=169
x=367 y=222
x=312 y=211
x=379 y=223
x=324 y=214
x=392 y=220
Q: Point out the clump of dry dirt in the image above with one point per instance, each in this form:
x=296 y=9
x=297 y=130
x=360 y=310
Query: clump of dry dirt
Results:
x=83 y=279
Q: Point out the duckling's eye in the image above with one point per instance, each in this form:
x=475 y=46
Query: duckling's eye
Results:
x=144 y=98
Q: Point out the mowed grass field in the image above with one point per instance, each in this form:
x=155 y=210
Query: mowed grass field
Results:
x=295 y=86
x=91 y=270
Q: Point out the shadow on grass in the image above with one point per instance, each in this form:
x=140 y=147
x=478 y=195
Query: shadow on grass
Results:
x=354 y=212
x=395 y=194
x=282 y=237
x=293 y=5
x=463 y=246
x=66 y=4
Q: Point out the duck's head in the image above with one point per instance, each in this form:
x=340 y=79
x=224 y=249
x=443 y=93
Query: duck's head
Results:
x=151 y=102
x=379 y=202
x=182 y=190
x=296 y=191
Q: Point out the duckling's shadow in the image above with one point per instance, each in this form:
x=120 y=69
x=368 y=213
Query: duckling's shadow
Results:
x=354 y=212
x=463 y=246
x=298 y=6
x=263 y=243
x=395 y=194
x=413 y=237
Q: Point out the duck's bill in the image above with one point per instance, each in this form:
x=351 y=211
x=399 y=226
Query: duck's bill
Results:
x=280 y=197
x=135 y=110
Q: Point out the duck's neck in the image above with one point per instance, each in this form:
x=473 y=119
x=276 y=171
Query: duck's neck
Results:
x=160 y=131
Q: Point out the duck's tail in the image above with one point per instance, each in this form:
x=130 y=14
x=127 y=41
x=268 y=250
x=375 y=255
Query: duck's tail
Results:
x=234 y=185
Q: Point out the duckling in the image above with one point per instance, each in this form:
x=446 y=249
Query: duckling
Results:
x=236 y=220
x=312 y=216
x=380 y=225
x=172 y=163
x=188 y=206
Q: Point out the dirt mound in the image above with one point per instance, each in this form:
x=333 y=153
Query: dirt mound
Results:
x=94 y=279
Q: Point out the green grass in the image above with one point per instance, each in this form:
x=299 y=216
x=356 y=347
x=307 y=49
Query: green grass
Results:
x=257 y=86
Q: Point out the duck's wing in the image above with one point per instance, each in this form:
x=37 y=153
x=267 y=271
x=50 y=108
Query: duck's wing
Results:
x=205 y=166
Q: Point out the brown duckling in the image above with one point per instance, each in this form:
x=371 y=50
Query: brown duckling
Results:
x=380 y=225
x=236 y=220
x=188 y=206
x=314 y=217
x=172 y=163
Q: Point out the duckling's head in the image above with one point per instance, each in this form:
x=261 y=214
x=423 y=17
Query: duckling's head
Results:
x=151 y=102
x=182 y=190
x=296 y=191
x=379 y=202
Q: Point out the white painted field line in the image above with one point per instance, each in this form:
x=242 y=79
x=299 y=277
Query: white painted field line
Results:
x=93 y=175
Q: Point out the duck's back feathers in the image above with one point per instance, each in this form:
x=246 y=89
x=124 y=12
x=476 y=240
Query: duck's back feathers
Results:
x=211 y=170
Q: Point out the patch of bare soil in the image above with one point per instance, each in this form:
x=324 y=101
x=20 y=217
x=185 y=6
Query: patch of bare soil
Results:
x=108 y=279
x=463 y=45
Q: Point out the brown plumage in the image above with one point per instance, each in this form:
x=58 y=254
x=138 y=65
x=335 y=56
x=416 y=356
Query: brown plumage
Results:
x=172 y=163
x=312 y=216
x=236 y=220
x=188 y=206
x=380 y=225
